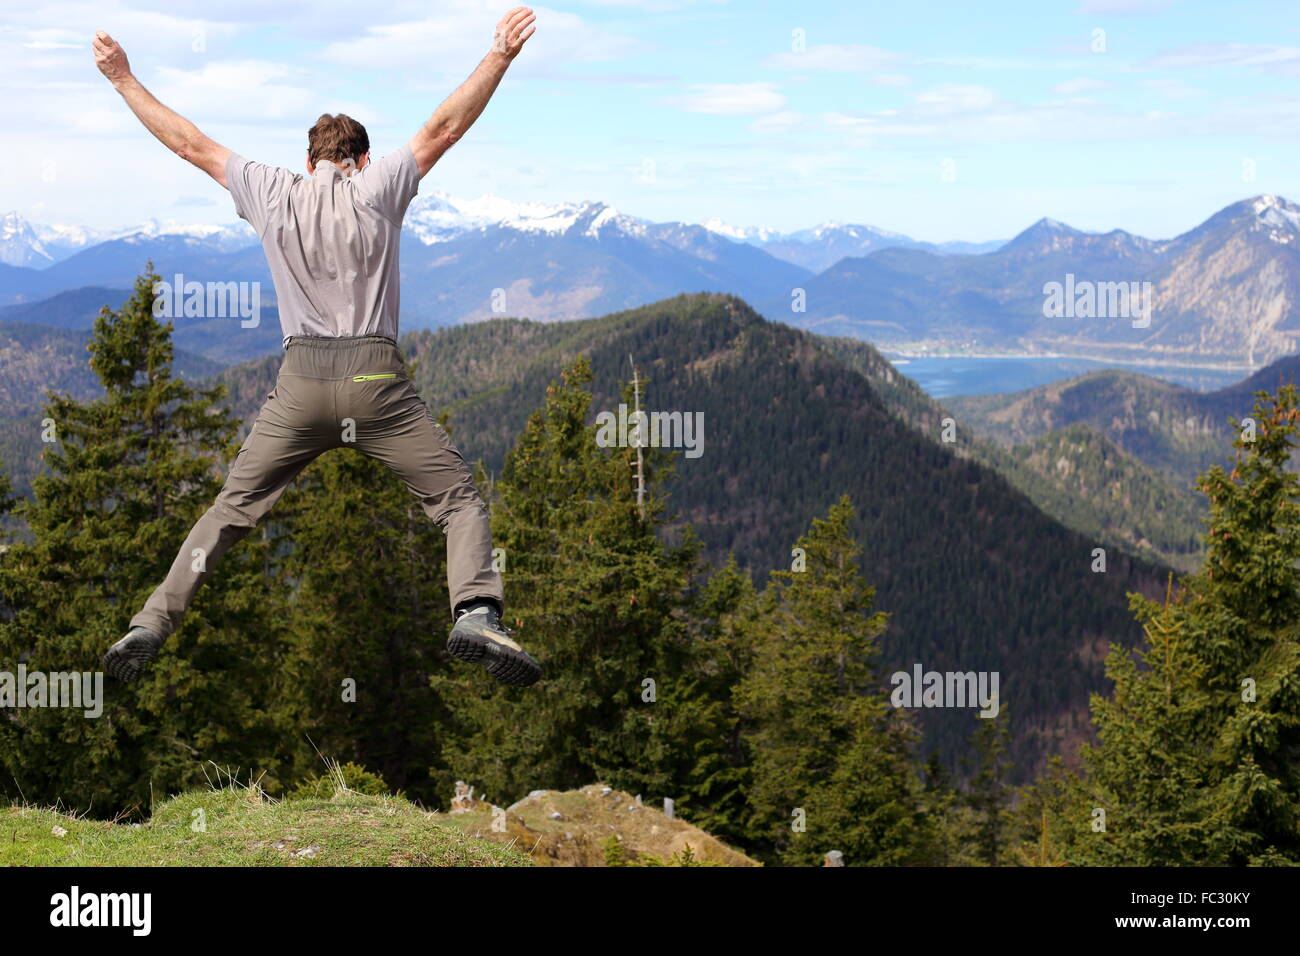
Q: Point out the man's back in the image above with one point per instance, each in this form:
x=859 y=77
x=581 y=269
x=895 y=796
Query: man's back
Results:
x=332 y=241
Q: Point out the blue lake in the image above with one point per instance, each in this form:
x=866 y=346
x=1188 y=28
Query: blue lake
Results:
x=942 y=377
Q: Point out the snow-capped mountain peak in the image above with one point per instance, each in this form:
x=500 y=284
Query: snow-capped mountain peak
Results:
x=827 y=232
x=37 y=245
x=68 y=236
x=226 y=237
x=834 y=229
x=753 y=234
x=1277 y=217
x=20 y=243
x=440 y=216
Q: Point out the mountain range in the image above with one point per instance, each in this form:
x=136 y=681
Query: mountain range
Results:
x=1227 y=291
x=36 y=245
x=1223 y=292
x=462 y=261
x=530 y=250
x=820 y=247
x=1178 y=431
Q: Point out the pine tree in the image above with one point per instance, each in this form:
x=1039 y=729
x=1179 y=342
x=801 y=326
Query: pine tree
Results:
x=972 y=822
x=714 y=793
x=829 y=750
x=987 y=792
x=7 y=500
x=599 y=599
x=943 y=808
x=1044 y=815
x=1196 y=760
x=370 y=614
x=7 y=505
x=128 y=475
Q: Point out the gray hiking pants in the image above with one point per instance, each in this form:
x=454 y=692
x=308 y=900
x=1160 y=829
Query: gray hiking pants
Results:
x=337 y=393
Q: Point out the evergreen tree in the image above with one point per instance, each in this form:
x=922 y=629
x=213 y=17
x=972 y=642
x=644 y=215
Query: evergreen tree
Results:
x=971 y=821
x=1045 y=816
x=1196 y=760
x=129 y=473
x=942 y=806
x=600 y=600
x=370 y=615
x=715 y=792
x=826 y=742
x=7 y=500
x=987 y=791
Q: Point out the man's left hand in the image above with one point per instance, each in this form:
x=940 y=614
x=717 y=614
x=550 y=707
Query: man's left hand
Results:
x=111 y=58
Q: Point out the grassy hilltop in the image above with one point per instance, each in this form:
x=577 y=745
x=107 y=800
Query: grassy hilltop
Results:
x=240 y=827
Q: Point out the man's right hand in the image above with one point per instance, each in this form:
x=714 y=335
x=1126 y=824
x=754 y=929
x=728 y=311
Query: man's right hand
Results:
x=515 y=28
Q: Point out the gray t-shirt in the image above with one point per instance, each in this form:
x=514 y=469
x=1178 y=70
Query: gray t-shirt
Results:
x=332 y=241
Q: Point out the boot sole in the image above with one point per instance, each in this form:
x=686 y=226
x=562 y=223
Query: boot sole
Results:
x=507 y=665
x=126 y=661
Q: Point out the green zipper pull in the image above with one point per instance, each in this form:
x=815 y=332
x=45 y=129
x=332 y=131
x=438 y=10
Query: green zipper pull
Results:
x=371 y=378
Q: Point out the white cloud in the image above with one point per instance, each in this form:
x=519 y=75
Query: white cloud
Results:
x=955 y=98
x=1227 y=54
x=781 y=122
x=1081 y=84
x=247 y=90
x=148 y=37
x=730 y=99
x=988 y=63
x=1061 y=121
x=311 y=19
x=1172 y=88
x=866 y=127
x=835 y=58
x=52 y=39
x=455 y=40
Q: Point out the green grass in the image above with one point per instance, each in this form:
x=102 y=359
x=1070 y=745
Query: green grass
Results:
x=241 y=827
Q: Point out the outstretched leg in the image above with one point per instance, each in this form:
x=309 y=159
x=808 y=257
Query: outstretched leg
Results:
x=395 y=426
x=277 y=448
x=400 y=431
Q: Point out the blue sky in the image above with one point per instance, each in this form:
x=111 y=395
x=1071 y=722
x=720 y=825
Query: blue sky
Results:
x=943 y=121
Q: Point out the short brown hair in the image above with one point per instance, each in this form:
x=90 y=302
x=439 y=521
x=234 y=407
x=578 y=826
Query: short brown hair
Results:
x=336 y=138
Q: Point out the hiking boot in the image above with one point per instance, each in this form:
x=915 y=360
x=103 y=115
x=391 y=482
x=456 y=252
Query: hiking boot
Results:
x=479 y=638
x=129 y=656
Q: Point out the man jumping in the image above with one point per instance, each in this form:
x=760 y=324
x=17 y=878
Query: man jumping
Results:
x=331 y=240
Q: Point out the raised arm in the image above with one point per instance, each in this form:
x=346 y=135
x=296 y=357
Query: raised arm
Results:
x=459 y=111
x=173 y=130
